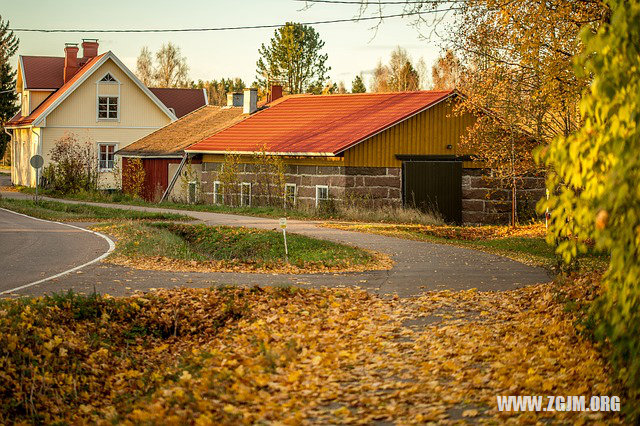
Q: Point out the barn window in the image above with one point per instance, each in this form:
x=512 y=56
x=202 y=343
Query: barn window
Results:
x=245 y=194
x=108 y=107
x=106 y=157
x=322 y=194
x=218 y=198
x=289 y=195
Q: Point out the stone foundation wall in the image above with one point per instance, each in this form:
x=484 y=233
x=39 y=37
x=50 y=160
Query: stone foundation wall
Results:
x=366 y=186
x=485 y=202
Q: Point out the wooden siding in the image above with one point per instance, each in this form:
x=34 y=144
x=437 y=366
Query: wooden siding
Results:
x=136 y=108
x=427 y=133
x=156 y=175
x=308 y=161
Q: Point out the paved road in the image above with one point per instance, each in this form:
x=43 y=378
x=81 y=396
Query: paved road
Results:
x=31 y=249
x=419 y=266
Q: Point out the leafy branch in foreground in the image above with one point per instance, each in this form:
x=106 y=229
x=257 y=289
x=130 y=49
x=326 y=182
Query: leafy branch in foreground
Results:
x=594 y=181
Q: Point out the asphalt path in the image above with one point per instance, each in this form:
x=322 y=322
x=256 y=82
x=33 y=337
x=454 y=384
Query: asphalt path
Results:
x=419 y=265
x=32 y=250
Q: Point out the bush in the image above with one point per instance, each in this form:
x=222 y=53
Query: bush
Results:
x=133 y=175
x=594 y=187
x=73 y=166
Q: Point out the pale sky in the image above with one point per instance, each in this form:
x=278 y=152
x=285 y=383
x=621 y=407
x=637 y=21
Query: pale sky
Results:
x=352 y=47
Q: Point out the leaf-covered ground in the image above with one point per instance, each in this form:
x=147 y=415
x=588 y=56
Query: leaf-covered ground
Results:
x=292 y=356
x=182 y=247
x=525 y=243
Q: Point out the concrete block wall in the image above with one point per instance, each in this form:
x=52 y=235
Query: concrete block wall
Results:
x=368 y=186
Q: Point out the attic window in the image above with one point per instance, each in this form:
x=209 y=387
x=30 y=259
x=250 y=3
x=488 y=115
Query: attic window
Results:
x=108 y=78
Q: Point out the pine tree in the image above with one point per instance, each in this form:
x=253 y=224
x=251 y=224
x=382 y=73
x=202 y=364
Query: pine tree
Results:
x=293 y=57
x=8 y=96
x=357 y=86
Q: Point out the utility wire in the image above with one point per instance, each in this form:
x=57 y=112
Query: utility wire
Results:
x=376 y=2
x=251 y=27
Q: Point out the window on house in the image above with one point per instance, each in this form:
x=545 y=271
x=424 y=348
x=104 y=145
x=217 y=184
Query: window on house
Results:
x=245 y=194
x=217 y=193
x=289 y=195
x=322 y=194
x=106 y=156
x=108 y=78
x=107 y=107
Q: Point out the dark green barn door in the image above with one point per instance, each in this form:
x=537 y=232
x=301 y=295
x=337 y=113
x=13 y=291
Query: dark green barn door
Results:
x=434 y=186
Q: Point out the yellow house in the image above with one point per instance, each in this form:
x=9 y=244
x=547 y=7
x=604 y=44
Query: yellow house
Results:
x=94 y=97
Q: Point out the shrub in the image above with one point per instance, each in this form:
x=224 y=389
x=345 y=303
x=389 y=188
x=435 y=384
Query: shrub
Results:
x=133 y=177
x=73 y=166
x=594 y=186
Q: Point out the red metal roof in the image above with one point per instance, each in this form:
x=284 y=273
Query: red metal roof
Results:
x=43 y=72
x=183 y=101
x=320 y=125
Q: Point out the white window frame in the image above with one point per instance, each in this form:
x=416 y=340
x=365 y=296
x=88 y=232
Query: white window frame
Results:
x=242 y=186
x=99 y=95
x=115 y=148
x=318 y=199
x=218 y=196
x=295 y=193
x=117 y=117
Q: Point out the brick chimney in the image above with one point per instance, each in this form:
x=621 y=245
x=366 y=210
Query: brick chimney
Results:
x=275 y=92
x=70 y=60
x=89 y=48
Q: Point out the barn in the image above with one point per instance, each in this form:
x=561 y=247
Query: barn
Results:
x=162 y=151
x=376 y=149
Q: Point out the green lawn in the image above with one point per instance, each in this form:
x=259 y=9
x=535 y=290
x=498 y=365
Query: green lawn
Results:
x=227 y=248
x=54 y=210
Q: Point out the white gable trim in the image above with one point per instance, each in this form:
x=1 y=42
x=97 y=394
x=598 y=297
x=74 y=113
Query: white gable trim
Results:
x=24 y=81
x=88 y=73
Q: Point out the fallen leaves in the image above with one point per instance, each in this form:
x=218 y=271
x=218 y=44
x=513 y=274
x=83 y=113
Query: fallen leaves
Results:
x=293 y=356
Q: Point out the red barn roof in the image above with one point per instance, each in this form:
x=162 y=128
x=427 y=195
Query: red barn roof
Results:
x=319 y=125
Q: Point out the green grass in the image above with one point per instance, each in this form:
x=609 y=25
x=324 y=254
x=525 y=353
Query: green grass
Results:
x=233 y=247
x=346 y=213
x=54 y=210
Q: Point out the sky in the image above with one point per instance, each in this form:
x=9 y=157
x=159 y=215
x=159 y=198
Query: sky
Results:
x=353 y=47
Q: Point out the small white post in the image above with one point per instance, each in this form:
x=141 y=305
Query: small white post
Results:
x=283 y=226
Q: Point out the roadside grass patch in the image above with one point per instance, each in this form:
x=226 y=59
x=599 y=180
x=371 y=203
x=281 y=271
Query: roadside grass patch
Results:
x=171 y=246
x=65 y=212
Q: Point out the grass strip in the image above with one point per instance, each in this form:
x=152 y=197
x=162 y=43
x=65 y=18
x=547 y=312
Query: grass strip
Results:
x=171 y=246
x=67 y=212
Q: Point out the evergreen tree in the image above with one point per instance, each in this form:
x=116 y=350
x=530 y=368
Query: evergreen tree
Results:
x=357 y=86
x=8 y=96
x=293 y=56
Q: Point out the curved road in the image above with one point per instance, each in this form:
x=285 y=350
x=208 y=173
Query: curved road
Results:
x=32 y=249
x=419 y=266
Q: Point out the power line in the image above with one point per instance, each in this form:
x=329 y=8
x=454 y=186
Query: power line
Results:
x=375 y=2
x=250 y=27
